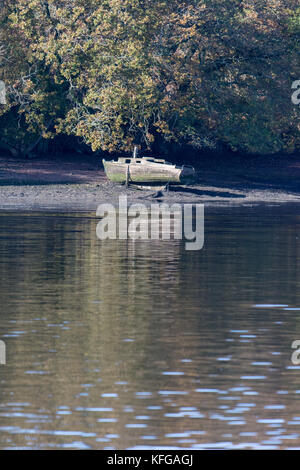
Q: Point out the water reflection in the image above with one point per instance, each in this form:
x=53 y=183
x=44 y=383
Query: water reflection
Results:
x=140 y=344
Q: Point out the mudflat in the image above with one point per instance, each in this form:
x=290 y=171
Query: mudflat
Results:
x=78 y=183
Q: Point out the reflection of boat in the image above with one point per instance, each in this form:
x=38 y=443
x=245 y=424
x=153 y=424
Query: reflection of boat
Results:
x=147 y=170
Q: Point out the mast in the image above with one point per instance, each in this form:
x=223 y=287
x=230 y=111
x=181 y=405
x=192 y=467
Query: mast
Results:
x=135 y=151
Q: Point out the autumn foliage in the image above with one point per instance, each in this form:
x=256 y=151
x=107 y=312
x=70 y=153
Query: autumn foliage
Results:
x=206 y=73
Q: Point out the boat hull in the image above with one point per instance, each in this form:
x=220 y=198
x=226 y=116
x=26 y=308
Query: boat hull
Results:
x=152 y=173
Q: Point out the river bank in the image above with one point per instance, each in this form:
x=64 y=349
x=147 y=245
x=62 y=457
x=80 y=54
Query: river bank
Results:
x=79 y=183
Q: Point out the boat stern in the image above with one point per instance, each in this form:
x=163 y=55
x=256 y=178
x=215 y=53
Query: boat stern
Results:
x=188 y=174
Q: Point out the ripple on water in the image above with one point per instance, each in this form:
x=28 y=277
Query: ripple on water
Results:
x=269 y=305
x=143 y=394
x=253 y=377
x=76 y=445
x=172 y=373
x=270 y=421
x=275 y=407
x=178 y=435
x=101 y=409
x=261 y=363
x=227 y=408
x=107 y=420
x=183 y=414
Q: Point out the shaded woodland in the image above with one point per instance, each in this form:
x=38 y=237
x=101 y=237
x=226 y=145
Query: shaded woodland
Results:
x=106 y=74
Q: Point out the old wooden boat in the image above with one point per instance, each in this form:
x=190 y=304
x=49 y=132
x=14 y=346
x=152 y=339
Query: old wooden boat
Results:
x=147 y=170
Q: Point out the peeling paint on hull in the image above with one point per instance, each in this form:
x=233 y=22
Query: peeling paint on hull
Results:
x=148 y=172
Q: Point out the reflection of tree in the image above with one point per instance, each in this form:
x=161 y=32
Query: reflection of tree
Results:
x=111 y=317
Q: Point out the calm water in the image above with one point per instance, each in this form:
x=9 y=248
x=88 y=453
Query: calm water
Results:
x=118 y=345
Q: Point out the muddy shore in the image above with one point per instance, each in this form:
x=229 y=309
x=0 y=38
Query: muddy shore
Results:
x=79 y=184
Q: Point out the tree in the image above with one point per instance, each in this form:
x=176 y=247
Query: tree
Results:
x=114 y=72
